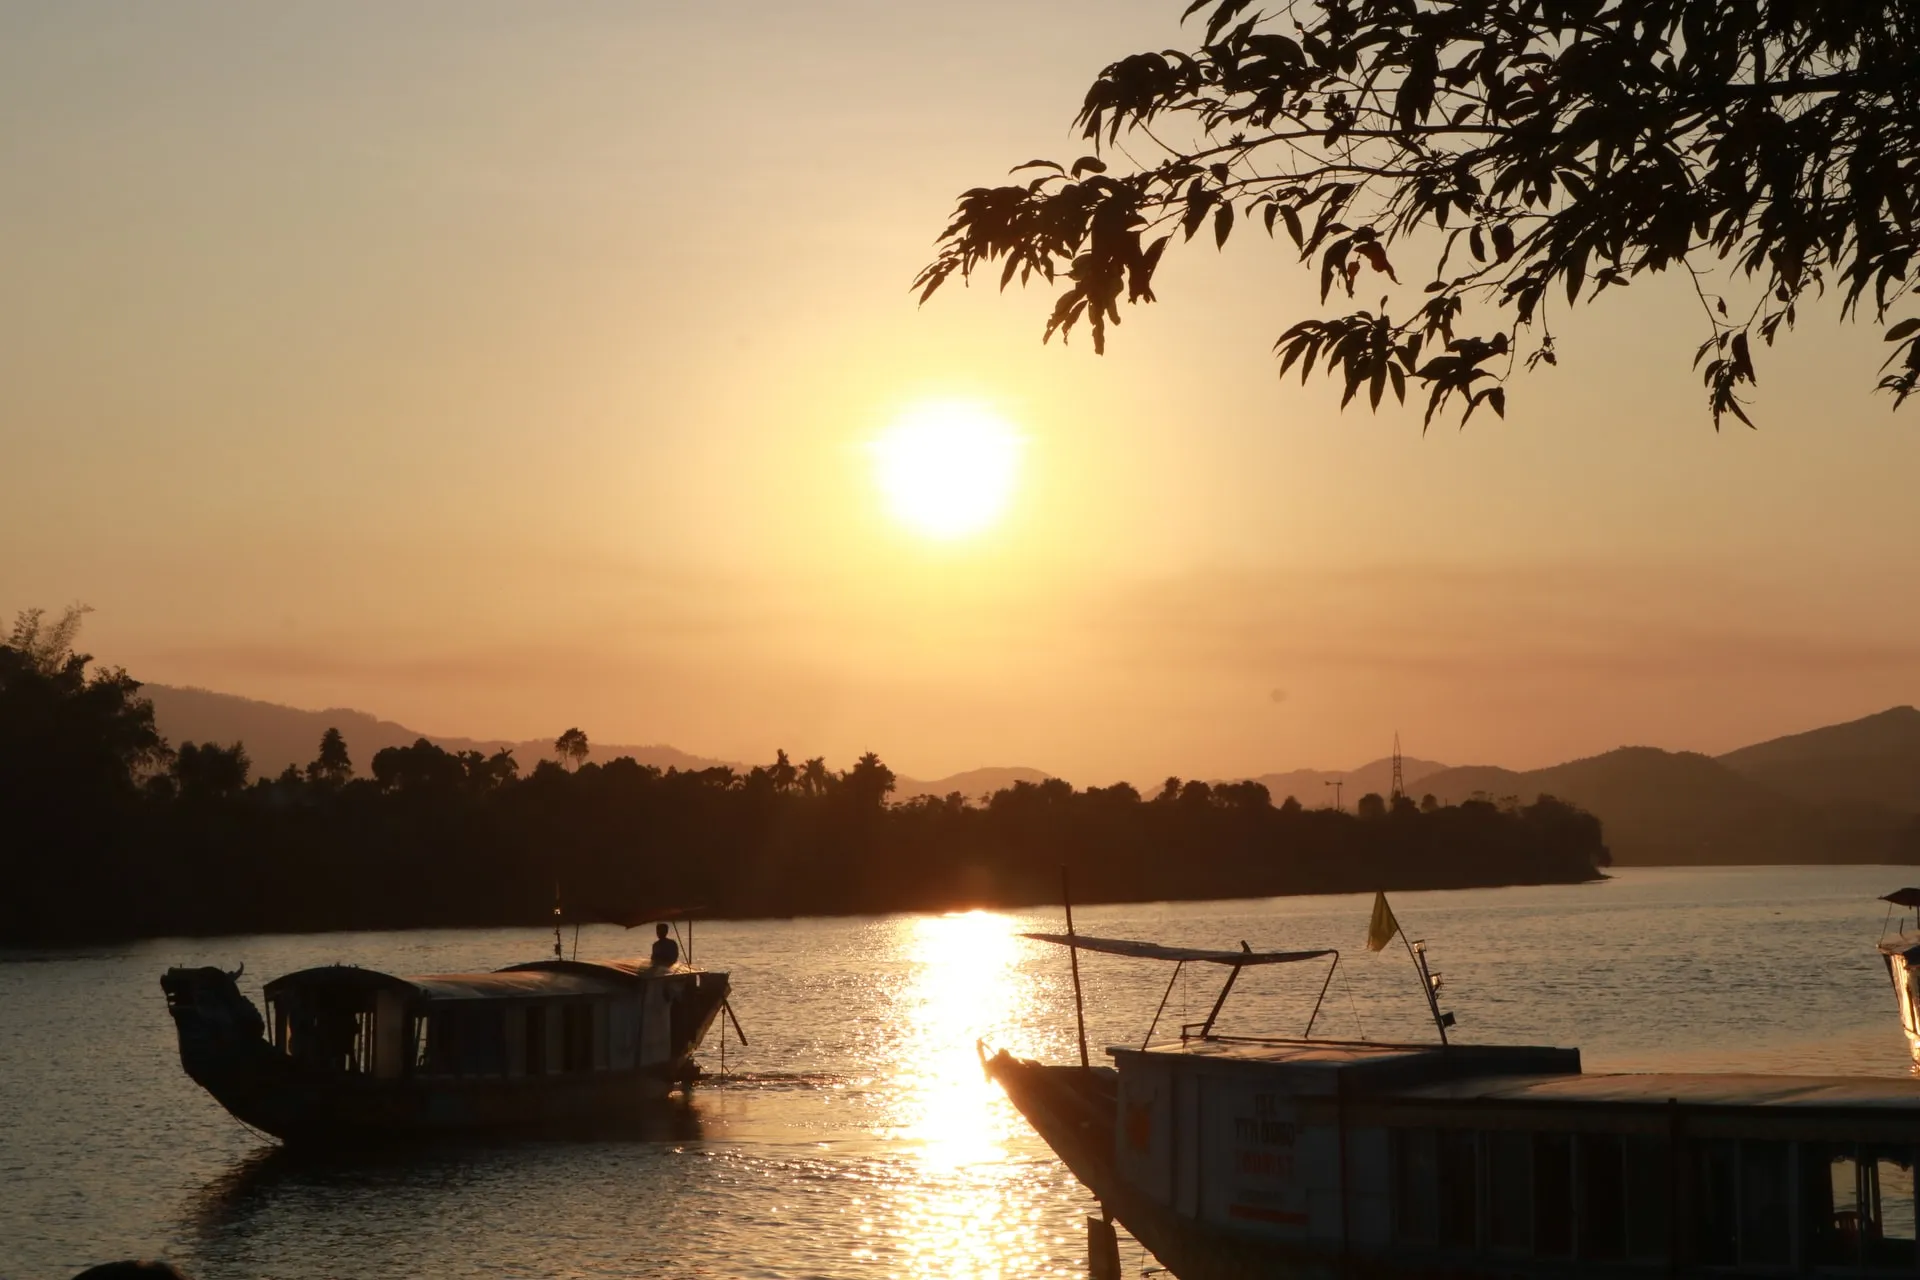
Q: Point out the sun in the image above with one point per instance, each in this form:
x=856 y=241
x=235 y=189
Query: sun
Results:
x=947 y=469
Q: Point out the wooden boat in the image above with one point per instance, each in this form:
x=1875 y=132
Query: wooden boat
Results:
x=348 y=1055
x=1231 y=1157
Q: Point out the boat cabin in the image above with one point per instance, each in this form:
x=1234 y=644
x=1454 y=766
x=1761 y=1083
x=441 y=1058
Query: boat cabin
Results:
x=1243 y=1155
x=546 y=1018
x=1475 y=1156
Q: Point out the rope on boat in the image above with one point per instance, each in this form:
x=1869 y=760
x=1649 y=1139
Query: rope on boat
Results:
x=1354 y=1005
x=263 y=1136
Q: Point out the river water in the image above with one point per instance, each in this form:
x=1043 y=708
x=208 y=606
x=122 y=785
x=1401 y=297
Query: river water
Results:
x=855 y=1136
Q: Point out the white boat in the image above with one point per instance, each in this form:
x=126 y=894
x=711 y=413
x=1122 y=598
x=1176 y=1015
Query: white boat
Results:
x=1233 y=1157
x=1902 y=954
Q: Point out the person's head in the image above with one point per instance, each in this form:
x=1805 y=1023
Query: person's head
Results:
x=660 y=931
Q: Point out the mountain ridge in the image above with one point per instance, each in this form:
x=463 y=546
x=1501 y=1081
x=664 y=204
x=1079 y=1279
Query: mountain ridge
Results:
x=1846 y=792
x=277 y=735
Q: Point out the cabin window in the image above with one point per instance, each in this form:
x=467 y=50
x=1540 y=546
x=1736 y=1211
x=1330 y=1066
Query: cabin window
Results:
x=327 y=1034
x=1510 y=1191
x=536 y=1040
x=1416 y=1175
x=1649 y=1184
x=1716 y=1207
x=1766 y=1221
x=1893 y=1205
x=1603 y=1197
x=465 y=1041
x=576 y=1031
x=1459 y=1159
x=1859 y=1204
x=1553 y=1194
x=1742 y=1204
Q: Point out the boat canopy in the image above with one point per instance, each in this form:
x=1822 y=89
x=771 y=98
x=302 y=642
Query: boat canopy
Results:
x=543 y=979
x=1159 y=951
x=1902 y=897
x=628 y=916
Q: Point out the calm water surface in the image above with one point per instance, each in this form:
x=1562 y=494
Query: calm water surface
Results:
x=856 y=1137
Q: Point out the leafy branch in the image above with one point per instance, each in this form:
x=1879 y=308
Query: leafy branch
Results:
x=1535 y=146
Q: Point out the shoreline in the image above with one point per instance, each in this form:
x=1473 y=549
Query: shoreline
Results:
x=1021 y=903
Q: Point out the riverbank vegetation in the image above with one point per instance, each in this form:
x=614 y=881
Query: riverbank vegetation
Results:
x=110 y=832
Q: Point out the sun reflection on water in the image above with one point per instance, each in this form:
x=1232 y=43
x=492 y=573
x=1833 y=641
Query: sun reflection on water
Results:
x=958 y=1213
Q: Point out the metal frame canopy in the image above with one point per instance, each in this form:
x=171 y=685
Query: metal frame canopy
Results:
x=1183 y=956
x=1160 y=951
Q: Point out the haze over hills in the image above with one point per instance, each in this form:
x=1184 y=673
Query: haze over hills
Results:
x=1874 y=760
x=277 y=736
x=1314 y=787
x=1844 y=793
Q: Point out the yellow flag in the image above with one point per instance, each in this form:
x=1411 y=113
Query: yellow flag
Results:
x=1383 y=926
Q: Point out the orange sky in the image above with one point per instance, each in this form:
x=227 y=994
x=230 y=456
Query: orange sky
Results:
x=497 y=367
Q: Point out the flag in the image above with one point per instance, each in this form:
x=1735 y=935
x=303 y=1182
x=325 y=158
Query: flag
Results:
x=1383 y=926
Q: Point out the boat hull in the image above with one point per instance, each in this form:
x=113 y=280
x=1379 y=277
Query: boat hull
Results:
x=1073 y=1109
x=223 y=1049
x=1902 y=971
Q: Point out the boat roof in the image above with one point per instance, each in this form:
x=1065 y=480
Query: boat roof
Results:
x=1535 y=1074
x=1691 y=1089
x=1371 y=1066
x=1160 y=951
x=536 y=979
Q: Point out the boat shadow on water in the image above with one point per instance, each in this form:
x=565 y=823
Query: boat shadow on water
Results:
x=273 y=1177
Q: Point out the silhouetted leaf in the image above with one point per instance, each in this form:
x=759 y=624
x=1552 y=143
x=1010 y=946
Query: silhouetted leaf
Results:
x=1577 y=145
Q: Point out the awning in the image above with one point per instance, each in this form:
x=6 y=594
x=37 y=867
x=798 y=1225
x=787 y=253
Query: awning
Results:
x=1902 y=897
x=634 y=917
x=1158 y=951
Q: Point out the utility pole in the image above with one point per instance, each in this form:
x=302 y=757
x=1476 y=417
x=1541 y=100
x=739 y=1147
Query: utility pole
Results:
x=1336 y=784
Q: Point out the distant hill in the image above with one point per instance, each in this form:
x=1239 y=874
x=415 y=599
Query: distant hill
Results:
x=1845 y=793
x=277 y=736
x=1875 y=760
x=1667 y=807
x=973 y=784
x=1312 y=787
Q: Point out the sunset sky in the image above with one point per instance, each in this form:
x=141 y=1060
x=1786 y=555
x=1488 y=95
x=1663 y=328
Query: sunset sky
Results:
x=496 y=367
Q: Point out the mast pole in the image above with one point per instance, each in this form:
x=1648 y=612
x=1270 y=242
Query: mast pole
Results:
x=1073 y=955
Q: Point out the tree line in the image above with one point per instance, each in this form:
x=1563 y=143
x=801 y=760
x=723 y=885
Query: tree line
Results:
x=111 y=832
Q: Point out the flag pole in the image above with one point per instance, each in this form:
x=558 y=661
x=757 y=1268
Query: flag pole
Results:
x=1419 y=959
x=1380 y=931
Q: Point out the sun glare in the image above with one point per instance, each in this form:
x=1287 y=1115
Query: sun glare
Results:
x=947 y=469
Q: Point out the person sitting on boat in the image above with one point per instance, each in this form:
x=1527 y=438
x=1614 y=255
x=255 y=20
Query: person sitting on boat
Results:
x=666 y=952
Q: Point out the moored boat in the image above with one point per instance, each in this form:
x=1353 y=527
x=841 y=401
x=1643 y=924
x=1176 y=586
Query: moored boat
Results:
x=1231 y=1157
x=346 y=1055
x=1902 y=957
